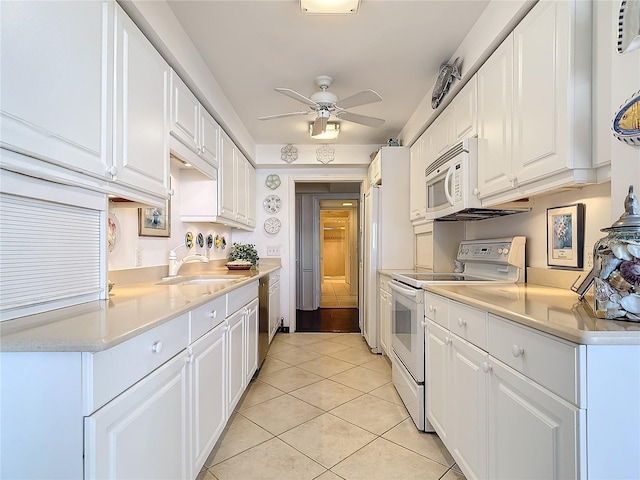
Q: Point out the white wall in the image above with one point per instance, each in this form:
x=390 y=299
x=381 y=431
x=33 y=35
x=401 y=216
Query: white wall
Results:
x=533 y=224
x=155 y=250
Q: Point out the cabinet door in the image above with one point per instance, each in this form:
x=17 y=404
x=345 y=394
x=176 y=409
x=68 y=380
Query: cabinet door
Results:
x=56 y=84
x=251 y=340
x=417 y=188
x=226 y=178
x=469 y=386
x=241 y=187
x=385 y=322
x=441 y=136
x=143 y=433
x=209 y=138
x=185 y=114
x=495 y=93
x=274 y=309
x=251 y=195
x=543 y=56
x=235 y=356
x=142 y=76
x=209 y=394
x=465 y=111
x=532 y=433
x=438 y=353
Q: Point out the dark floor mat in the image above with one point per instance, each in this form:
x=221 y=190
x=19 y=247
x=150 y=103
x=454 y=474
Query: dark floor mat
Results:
x=342 y=320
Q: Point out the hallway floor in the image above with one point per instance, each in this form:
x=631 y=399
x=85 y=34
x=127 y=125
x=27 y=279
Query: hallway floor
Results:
x=335 y=294
x=341 y=320
x=323 y=407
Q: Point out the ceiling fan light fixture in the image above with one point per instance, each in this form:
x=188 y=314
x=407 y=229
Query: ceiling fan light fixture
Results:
x=331 y=132
x=329 y=7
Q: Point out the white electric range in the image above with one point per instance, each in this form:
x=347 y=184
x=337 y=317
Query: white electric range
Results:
x=500 y=260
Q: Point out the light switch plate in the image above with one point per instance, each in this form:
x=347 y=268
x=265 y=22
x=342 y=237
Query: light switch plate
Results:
x=273 y=251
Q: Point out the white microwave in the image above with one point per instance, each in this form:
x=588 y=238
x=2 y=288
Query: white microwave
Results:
x=452 y=181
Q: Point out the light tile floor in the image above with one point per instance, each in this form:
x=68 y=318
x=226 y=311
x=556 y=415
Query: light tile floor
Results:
x=335 y=294
x=323 y=407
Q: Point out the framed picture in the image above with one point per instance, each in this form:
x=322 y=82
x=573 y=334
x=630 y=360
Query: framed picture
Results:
x=155 y=221
x=565 y=236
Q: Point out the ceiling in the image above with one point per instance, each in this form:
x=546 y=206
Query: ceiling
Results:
x=393 y=47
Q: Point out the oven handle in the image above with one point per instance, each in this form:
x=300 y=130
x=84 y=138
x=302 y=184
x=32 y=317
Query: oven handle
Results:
x=407 y=292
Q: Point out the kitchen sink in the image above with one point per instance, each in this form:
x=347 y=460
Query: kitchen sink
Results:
x=200 y=280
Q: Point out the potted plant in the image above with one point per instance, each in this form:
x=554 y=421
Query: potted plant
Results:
x=242 y=256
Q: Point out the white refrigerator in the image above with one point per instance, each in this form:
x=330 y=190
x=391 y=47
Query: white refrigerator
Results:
x=387 y=233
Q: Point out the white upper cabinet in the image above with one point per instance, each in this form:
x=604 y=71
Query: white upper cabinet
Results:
x=141 y=152
x=240 y=187
x=495 y=87
x=56 y=88
x=251 y=195
x=464 y=108
x=539 y=138
x=194 y=128
x=227 y=178
x=417 y=188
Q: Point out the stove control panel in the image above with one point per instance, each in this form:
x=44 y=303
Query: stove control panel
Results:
x=500 y=251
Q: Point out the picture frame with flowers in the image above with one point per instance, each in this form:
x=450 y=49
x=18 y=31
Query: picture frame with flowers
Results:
x=565 y=236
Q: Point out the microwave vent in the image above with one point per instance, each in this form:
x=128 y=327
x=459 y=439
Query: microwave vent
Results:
x=454 y=151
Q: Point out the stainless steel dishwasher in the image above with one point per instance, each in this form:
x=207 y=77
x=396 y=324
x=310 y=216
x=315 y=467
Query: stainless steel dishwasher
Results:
x=263 y=319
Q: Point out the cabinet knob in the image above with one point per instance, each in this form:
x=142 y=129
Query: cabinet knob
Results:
x=432 y=308
x=171 y=192
x=476 y=192
x=448 y=340
x=189 y=359
x=213 y=313
x=486 y=368
x=461 y=323
x=156 y=347
x=516 y=351
x=113 y=170
x=423 y=323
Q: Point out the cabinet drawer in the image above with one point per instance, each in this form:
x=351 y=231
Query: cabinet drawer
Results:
x=551 y=362
x=207 y=316
x=436 y=308
x=468 y=323
x=241 y=296
x=108 y=373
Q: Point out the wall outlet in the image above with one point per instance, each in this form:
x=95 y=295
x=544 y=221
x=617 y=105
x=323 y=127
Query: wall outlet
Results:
x=588 y=257
x=138 y=257
x=273 y=251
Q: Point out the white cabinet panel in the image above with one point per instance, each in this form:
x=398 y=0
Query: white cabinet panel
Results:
x=209 y=138
x=438 y=364
x=235 y=354
x=495 y=98
x=251 y=340
x=464 y=109
x=417 y=188
x=208 y=394
x=240 y=187
x=143 y=433
x=141 y=155
x=251 y=195
x=274 y=304
x=185 y=114
x=56 y=82
x=227 y=178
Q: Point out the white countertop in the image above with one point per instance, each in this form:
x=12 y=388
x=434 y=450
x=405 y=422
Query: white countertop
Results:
x=129 y=311
x=555 y=311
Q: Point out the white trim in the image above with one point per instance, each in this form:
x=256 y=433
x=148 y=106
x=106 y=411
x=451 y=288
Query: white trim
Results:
x=303 y=178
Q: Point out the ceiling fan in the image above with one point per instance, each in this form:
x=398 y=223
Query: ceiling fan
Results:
x=325 y=104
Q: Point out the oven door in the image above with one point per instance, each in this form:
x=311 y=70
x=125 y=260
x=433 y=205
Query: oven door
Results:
x=407 y=329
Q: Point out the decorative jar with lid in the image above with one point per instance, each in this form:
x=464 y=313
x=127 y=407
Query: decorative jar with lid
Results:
x=617 y=266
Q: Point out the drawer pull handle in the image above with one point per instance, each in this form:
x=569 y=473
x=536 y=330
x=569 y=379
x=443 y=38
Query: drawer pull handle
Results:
x=486 y=368
x=213 y=314
x=461 y=323
x=516 y=351
x=156 y=347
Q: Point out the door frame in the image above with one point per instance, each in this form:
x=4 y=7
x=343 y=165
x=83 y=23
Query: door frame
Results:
x=293 y=267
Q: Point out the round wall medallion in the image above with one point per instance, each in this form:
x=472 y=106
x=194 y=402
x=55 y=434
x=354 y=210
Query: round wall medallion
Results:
x=272 y=203
x=325 y=154
x=272 y=181
x=272 y=225
x=289 y=153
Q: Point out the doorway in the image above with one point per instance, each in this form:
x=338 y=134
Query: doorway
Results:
x=327 y=257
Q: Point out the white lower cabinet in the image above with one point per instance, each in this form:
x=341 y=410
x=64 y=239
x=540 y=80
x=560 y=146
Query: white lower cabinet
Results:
x=274 y=304
x=235 y=349
x=143 y=433
x=496 y=422
x=208 y=359
x=251 y=340
x=384 y=307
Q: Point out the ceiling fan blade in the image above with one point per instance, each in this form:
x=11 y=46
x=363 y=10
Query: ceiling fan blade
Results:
x=296 y=96
x=362 y=98
x=282 y=115
x=361 y=119
x=319 y=126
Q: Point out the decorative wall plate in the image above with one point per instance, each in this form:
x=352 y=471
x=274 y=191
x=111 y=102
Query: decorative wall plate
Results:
x=325 y=154
x=629 y=26
x=113 y=231
x=200 y=240
x=448 y=71
x=626 y=123
x=272 y=181
x=209 y=241
x=272 y=203
x=272 y=225
x=289 y=153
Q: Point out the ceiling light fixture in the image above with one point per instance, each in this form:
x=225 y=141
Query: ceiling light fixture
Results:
x=329 y=7
x=330 y=133
x=347 y=204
